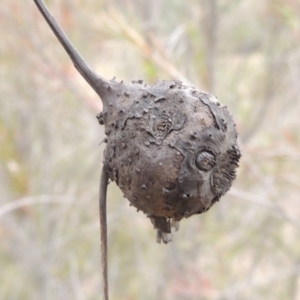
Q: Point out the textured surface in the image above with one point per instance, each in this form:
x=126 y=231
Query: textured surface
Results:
x=171 y=149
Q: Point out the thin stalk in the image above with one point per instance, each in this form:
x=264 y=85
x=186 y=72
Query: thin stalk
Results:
x=98 y=83
x=103 y=229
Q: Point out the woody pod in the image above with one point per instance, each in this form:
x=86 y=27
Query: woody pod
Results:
x=171 y=148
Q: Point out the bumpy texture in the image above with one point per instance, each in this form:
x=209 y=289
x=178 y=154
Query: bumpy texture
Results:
x=171 y=149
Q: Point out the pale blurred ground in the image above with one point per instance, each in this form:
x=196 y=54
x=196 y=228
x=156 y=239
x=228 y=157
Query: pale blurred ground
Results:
x=246 y=247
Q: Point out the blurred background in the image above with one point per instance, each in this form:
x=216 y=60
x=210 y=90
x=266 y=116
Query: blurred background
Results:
x=247 y=53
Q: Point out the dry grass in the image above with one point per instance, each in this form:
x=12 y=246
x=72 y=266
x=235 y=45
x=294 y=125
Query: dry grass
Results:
x=245 y=247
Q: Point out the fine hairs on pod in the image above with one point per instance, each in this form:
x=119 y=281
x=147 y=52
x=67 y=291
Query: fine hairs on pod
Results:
x=170 y=148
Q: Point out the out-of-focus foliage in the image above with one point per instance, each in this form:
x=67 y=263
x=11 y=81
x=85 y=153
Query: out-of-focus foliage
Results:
x=247 y=246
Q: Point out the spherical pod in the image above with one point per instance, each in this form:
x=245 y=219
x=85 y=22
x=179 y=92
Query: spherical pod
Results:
x=171 y=149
